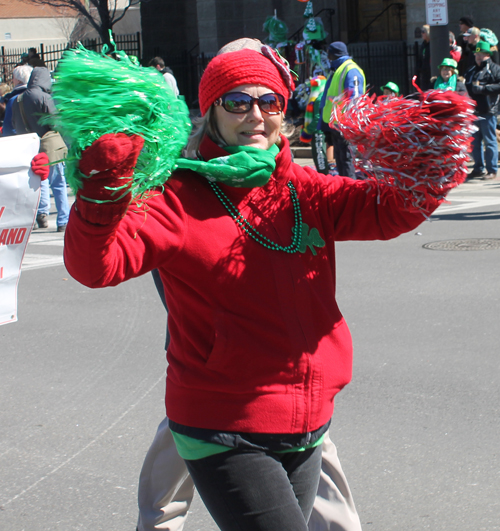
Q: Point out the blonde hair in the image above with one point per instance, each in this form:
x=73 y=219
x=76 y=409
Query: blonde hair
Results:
x=203 y=125
x=4 y=88
x=240 y=44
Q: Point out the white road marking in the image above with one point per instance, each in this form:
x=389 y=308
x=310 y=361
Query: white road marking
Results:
x=38 y=261
x=52 y=242
x=43 y=238
x=467 y=203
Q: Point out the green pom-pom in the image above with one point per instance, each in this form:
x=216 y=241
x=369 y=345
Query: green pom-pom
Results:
x=95 y=95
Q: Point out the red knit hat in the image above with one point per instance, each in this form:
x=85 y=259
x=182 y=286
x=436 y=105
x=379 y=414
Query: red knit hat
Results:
x=244 y=67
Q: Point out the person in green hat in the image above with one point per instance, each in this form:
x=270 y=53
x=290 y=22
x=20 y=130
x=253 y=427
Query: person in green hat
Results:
x=483 y=85
x=448 y=77
x=390 y=90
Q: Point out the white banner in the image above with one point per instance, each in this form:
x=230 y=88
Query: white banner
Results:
x=19 y=197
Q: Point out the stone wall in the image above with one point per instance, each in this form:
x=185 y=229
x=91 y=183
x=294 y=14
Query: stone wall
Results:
x=245 y=19
x=174 y=27
x=168 y=28
x=205 y=25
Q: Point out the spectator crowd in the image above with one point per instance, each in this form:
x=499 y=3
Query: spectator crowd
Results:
x=470 y=69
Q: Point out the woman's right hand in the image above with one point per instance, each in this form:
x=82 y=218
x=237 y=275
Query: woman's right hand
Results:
x=109 y=166
x=109 y=163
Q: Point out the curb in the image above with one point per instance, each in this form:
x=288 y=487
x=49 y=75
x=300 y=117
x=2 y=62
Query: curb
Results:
x=300 y=152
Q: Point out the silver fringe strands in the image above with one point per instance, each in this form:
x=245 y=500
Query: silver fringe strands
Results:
x=420 y=146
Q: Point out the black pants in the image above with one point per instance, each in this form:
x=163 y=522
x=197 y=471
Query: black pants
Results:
x=319 y=153
x=254 y=490
x=343 y=153
x=161 y=293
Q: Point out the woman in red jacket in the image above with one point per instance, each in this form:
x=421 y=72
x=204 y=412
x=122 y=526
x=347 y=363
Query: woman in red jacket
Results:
x=244 y=241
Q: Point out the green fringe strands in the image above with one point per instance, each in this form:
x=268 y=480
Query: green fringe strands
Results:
x=95 y=94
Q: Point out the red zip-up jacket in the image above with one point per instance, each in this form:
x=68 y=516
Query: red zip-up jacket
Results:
x=258 y=343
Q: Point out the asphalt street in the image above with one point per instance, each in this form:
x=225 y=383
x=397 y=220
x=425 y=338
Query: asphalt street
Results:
x=417 y=430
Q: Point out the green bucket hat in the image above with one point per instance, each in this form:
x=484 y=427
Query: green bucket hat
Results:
x=448 y=61
x=483 y=47
x=391 y=86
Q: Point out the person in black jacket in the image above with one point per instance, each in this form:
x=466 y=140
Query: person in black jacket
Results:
x=475 y=35
x=424 y=60
x=483 y=85
x=465 y=23
x=36 y=103
x=20 y=77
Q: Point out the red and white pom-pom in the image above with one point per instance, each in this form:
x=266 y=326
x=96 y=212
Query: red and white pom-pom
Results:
x=420 y=146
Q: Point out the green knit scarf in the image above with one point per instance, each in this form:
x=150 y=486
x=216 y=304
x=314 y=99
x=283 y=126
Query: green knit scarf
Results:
x=244 y=167
x=451 y=84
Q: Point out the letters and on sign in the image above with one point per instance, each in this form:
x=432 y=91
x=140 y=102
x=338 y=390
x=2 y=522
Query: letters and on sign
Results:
x=437 y=12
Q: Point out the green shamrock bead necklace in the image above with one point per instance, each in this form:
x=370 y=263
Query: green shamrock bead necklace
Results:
x=301 y=237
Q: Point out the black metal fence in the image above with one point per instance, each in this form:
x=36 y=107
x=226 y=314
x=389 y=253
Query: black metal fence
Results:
x=386 y=61
x=50 y=55
x=187 y=70
x=381 y=61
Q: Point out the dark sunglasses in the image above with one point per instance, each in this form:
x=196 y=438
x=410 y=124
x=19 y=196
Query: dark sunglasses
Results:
x=240 y=103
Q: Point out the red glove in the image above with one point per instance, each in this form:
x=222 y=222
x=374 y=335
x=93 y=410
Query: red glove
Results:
x=109 y=164
x=40 y=165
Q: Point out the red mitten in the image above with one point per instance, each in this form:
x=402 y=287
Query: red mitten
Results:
x=109 y=165
x=40 y=165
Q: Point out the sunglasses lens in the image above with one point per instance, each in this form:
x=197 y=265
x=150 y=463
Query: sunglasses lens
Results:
x=237 y=102
x=271 y=103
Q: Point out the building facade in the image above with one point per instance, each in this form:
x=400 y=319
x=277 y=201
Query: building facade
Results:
x=24 y=25
x=203 y=26
x=383 y=35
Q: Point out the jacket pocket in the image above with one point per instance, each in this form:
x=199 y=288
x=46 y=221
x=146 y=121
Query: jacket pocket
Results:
x=218 y=354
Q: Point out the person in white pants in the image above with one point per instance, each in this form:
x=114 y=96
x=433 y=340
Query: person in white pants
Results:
x=166 y=490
